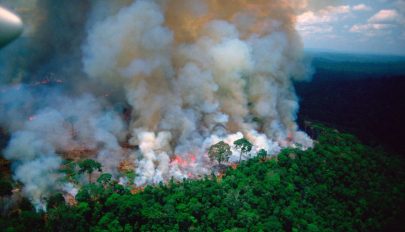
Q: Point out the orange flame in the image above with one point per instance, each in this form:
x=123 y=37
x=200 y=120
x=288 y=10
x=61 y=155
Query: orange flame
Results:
x=184 y=162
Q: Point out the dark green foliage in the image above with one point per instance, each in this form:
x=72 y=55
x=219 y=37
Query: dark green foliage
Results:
x=25 y=205
x=244 y=146
x=104 y=179
x=90 y=192
x=130 y=175
x=70 y=172
x=67 y=218
x=22 y=220
x=340 y=185
x=262 y=154
x=89 y=166
x=56 y=201
x=220 y=152
x=363 y=102
x=5 y=188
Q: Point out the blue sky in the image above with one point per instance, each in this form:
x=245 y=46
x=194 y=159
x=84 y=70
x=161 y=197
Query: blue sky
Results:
x=360 y=26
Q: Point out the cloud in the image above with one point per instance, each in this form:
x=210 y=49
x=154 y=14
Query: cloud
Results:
x=385 y=16
x=361 y=7
x=384 y=22
x=372 y=29
x=326 y=15
x=359 y=28
x=311 y=17
x=315 y=22
x=307 y=30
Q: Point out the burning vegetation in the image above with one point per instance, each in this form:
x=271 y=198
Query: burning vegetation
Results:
x=147 y=87
x=339 y=185
x=113 y=106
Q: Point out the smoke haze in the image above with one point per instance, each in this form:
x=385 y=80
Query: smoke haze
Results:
x=154 y=83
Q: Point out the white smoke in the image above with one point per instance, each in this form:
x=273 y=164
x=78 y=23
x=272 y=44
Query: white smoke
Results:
x=181 y=91
x=170 y=77
x=50 y=133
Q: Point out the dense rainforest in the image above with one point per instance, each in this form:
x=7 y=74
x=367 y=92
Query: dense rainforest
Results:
x=361 y=94
x=344 y=183
x=339 y=185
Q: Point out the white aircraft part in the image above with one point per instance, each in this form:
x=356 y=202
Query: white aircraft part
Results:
x=11 y=26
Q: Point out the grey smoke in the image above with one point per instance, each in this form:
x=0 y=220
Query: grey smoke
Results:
x=186 y=73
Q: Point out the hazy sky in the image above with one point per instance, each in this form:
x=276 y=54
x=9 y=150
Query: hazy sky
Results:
x=366 y=26
x=371 y=26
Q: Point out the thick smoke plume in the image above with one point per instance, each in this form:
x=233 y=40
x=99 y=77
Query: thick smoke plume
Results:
x=151 y=82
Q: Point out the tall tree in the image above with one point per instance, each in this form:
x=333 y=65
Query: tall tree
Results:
x=89 y=166
x=105 y=179
x=244 y=146
x=262 y=154
x=220 y=152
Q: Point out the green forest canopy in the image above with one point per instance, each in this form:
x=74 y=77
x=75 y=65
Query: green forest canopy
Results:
x=339 y=185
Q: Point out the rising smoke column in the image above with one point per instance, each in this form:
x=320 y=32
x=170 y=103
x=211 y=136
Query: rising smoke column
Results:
x=38 y=146
x=45 y=122
x=193 y=72
x=198 y=69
